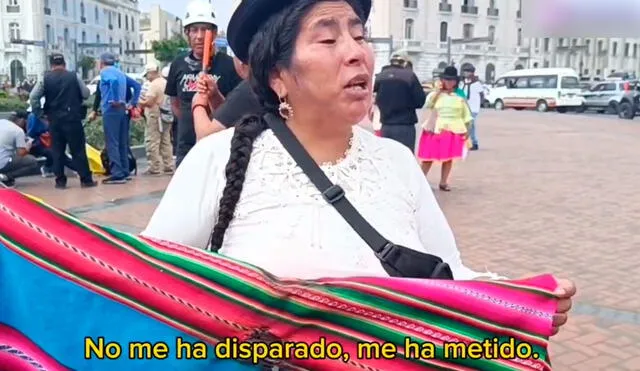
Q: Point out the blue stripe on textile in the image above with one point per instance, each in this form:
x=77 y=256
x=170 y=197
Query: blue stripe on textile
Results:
x=57 y=315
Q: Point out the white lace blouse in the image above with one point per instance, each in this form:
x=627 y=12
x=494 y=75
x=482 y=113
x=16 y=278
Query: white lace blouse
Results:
x=283 y=225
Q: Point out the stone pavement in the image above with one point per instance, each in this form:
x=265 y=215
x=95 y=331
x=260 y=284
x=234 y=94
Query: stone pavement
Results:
x=546 y=193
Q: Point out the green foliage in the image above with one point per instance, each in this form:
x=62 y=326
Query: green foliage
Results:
x=12 y=103
x=95 y=135
x=166 y=50
x=87 y=63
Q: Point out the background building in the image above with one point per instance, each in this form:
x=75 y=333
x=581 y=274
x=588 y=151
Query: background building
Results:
x=61 y=25
x=155 y=25
x=421 y=28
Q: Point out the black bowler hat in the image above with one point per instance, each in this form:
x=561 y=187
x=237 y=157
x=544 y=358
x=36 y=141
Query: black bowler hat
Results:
x=449 y=73
x=252 y=14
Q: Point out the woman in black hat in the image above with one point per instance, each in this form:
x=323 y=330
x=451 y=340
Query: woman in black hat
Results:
x=240 y=192
x=445 y=131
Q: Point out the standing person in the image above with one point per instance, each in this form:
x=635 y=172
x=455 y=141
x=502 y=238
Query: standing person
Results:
x=157 y=131
x=114 y=106
x=64 y=93
x=445 y=131
x=167 y=113
x=15 y=160
x=474 y=92
x=398 y=95
x=182 y=83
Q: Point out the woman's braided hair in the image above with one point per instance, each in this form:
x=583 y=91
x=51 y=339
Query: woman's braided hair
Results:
x=271 y=48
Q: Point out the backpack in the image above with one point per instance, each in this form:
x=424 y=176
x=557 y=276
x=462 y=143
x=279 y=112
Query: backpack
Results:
x=133 y=163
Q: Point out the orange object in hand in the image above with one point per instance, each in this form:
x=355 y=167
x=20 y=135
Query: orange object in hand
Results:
x=208 y=48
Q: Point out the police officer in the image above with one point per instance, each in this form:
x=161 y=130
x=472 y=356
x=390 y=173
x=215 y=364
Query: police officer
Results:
x=185 y=69
x=398 y=95
x=64 y=94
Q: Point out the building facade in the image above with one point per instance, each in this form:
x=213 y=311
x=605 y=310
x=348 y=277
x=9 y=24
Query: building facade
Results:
x=489 y=35
x=77 y=28
x=157 y=24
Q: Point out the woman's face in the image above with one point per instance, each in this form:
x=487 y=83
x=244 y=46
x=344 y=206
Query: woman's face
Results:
x=449 y=84
x=332 y=65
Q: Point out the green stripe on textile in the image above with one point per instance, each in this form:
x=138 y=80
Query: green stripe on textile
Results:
x=301 y=310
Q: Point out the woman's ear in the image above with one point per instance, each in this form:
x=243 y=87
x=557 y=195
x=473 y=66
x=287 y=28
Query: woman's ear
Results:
x=277 y=84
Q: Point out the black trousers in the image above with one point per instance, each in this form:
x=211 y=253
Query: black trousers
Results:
x=41 y=151
x=186 y=138
x=69 y=133
x=405 y=134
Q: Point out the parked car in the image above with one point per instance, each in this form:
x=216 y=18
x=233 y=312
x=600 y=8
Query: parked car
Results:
x=613 y=96
x=542 y=89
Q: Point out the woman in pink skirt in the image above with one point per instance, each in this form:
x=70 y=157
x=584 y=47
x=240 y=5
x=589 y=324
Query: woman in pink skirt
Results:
x=445 y=131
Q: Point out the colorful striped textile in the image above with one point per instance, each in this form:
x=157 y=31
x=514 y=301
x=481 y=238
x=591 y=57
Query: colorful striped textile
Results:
x=62 y=280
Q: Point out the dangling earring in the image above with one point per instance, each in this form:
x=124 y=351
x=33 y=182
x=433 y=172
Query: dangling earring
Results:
x=284 y=109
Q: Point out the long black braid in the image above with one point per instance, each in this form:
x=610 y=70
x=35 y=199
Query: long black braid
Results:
x=271 y=48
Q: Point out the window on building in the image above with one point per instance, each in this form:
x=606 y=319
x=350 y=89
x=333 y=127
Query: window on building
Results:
x=82 y=9
x=133 y=27
x=120 y=46
x=492 y=4
x=467 y=31
x=627 y=49
x=546 y=44
x=614 y=49
x=133 y=46
x=635 y=50
x=64 y=7
x=14 y=31
x=110 y=41
x=411 y=4
x=66 y=37
x=48 y=35
x=408 y=28
x=127 y=46
x=443 y=31
x=96 y=14
x=588 y=47
x=561 y=41
x=119 y=20
x=600 y=46
x=84 y=37
x=46 y=4
x=492 y=34
x=126 y=22
x=97 y=38
x=519 y=40
x=13 y=3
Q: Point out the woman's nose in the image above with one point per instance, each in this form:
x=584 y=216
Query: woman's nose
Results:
x=356 y=51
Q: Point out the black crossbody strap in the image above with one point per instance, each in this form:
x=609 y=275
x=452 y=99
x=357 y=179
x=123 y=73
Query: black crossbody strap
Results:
x=332 y=193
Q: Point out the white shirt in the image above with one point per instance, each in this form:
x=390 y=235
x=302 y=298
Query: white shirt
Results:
x=283 y=225
x=475 y=89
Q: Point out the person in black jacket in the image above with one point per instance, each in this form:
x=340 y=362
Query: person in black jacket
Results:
x=398 y=95
x=64 y=94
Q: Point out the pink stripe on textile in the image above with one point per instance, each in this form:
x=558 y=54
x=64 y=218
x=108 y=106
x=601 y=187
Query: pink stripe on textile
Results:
x=22 y=354
x=498 y=303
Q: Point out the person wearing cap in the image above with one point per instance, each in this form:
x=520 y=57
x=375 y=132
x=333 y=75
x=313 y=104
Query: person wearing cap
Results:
x=240 y=193
x=157 y=131
x=182 y=83
x=474 y=92
x=166 y=111
x=398 y=95
x=15 y=160
x=64 y=94
x=115 y=105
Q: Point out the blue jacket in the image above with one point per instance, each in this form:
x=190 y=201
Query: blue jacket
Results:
x=113 y=88
x=35 y=128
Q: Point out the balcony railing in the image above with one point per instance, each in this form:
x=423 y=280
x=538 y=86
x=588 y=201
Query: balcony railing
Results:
x=445 y=7
x=493 y=12
x=467 y=9
x=13 y=8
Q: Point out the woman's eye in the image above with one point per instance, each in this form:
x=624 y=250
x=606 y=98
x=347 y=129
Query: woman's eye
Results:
x=328 y=41
x=359 y=38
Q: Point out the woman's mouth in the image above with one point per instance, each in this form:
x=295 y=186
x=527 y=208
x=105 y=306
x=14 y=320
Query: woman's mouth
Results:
x=359 y=83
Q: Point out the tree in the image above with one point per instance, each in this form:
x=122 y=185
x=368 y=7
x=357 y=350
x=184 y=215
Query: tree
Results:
x=87 y=64
x=166 y=50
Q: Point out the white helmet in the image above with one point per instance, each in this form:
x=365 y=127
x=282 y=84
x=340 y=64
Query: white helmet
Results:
x=199 y=12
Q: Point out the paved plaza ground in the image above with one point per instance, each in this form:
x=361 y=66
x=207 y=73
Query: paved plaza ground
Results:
x=546 y=193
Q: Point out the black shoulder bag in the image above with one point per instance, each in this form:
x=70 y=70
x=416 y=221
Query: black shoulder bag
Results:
x=397 y=261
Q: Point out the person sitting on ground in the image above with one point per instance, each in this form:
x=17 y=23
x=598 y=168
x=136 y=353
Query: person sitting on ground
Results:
x=38 y=130
x=15 y=160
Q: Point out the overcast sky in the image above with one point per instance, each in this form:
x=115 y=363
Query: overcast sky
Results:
x=177 y=8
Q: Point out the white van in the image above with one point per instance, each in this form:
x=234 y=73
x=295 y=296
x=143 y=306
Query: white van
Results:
x=540 y=88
